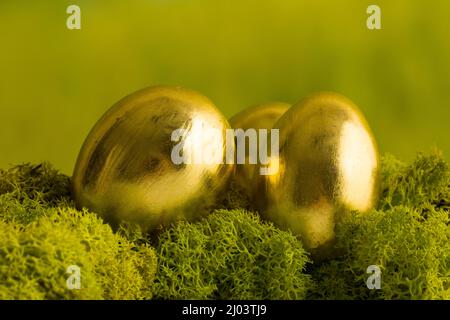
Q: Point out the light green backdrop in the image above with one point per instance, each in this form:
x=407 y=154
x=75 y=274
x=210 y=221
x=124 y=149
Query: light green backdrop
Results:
x=55 y=83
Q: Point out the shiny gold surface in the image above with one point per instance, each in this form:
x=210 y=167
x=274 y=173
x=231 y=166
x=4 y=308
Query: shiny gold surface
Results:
x=329 y=165
x=125 y=171
x=247 y=176
x=262 y=116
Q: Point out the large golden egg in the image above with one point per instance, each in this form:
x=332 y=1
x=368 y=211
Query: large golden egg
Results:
x=247 y=176
x=328 y=166
x=155 y=157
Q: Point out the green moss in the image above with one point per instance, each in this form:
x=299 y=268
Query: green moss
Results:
x=230 y=255
x=39 y=182
x=408 y=238
x=235 y=198
x=27 y=189
x=424 y=183
x=41 y=235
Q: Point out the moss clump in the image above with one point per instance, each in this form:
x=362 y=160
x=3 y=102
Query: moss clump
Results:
x=39 y=182
x=235 y=198
x=230 y=255
x=408 y=237
x=41 y=235
x=423 y=184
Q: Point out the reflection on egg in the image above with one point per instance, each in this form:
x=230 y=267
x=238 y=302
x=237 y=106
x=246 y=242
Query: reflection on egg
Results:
x=126 y=171
x=328 y=166
x=262 y=116
x=247 y=176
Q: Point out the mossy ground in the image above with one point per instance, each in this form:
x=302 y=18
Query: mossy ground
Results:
x=407 y=237
x=231 y=254
x=42 y=234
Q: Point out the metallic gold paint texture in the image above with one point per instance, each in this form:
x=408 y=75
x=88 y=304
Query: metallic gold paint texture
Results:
x=125 y=172
x=329 y=165
x=247 y=176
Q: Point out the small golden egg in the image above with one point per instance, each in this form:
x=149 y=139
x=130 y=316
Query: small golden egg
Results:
x=126 y=170
x=262 y=116
x=328 y=166
x=247 y=176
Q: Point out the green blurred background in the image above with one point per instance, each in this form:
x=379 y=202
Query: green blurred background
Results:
x=56 y=83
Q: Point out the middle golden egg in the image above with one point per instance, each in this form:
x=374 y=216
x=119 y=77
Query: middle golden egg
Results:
x=328 y=166
x=247 y=177
x=157 y=156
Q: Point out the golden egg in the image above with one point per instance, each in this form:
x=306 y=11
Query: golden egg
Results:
x=155 y=157
x=262 y=116
x=247 y=176
x=328 y=166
